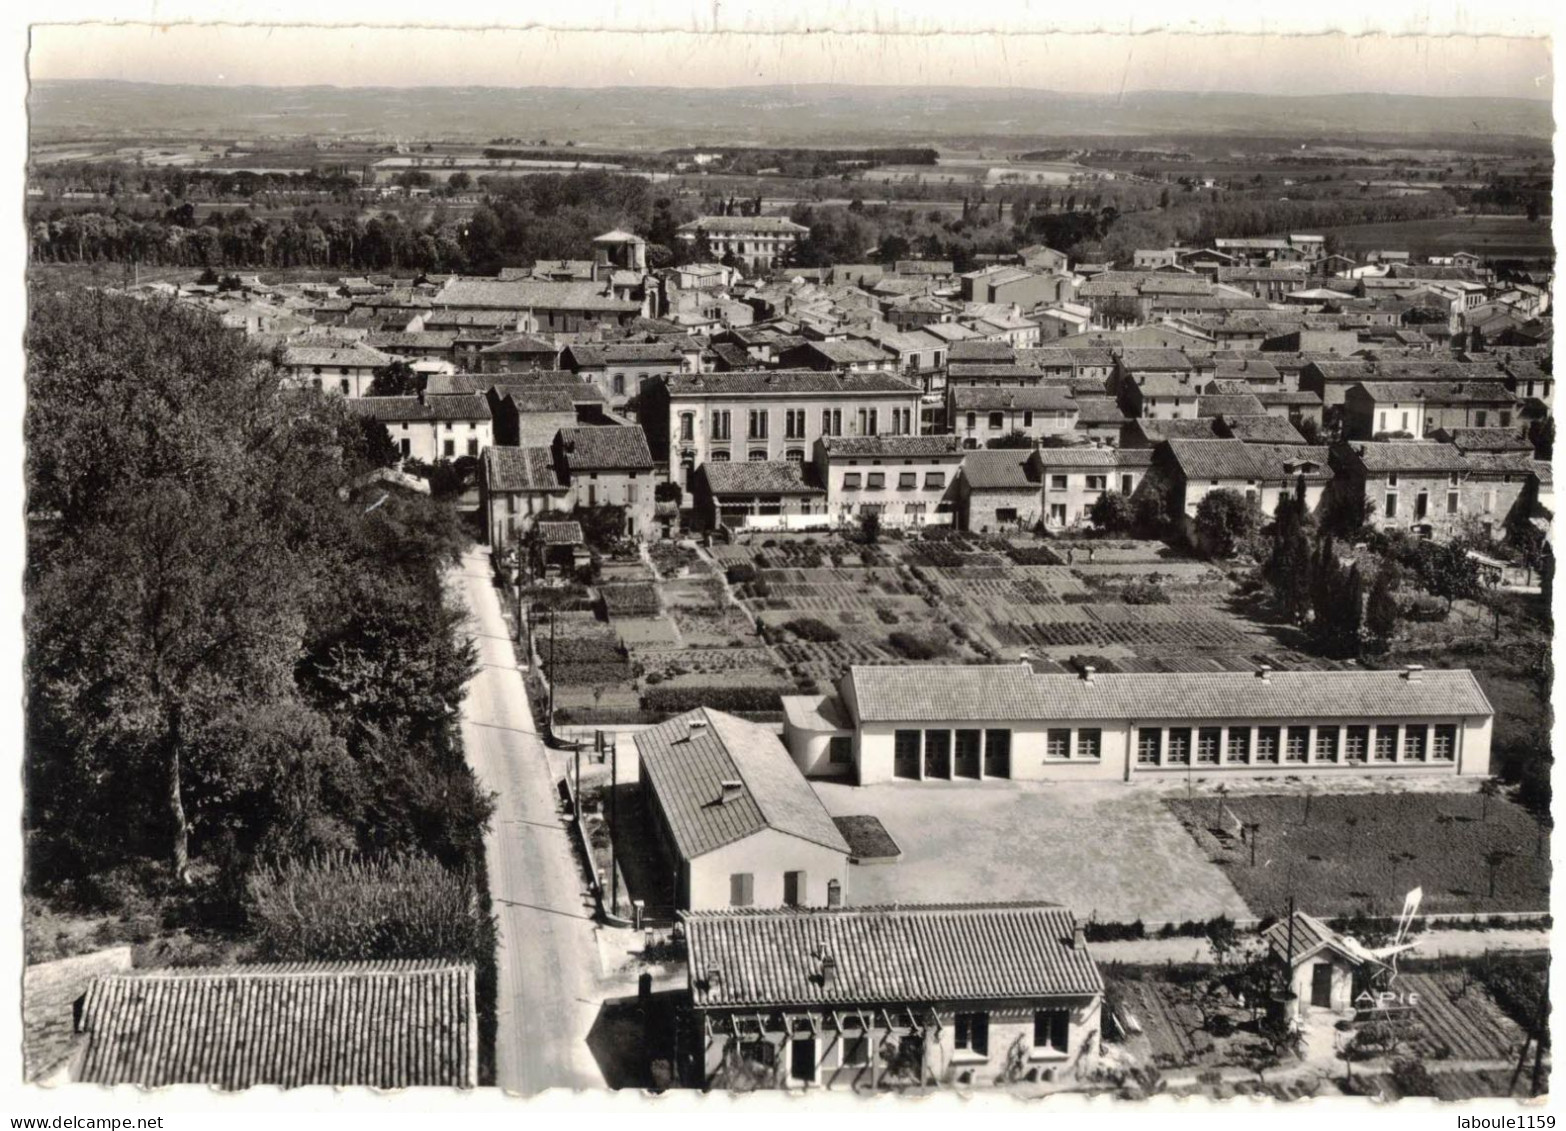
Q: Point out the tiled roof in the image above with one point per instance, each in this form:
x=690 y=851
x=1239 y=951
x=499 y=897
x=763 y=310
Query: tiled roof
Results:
x=1439 y=392
x=1236 y=459
x=560 y=533
x=908 y=954
x=545 y=398
x=1261 y=429
x=419 y=339
x=687 y=765
x=352 y=355
x=991 y=398
x=1486 y=439
x=1156 y=431
x=49 y=994
x=625 y=353
x=370 y=1024
x=1166 y=385
x=1407 y=455
x=753 y=477
x=981 y=350
x=781 y=382
x=934 y=693
x=525 y=384
x=520 y=469
x=608 y=447
x=1099 y=410
x=992 y=371
x=1244 y=404
x=892 y=447
x=1309 y=935
x=1288 y=397
x=524 y=344
x=1158 y=360
x=530 y=294
x=1085 y=455
x=1003 y=468
x=1500 y=463
x=455 y=406
x=740 y=224
x=846 y=353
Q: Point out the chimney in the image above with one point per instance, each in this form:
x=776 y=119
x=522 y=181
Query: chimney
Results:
x=1087 y=673
x=1078 y=937
x=1414 y=672
x=1264 y=673
x=828 y=969
x=714 y=975
x=731 y=790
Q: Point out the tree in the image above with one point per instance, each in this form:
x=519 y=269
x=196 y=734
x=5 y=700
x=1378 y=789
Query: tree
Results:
x=1381 y=610
x=1487 y=789
x=870 y=527
x=1288 y=566
x=396 y=380
x=1012 y=440
x=1112 y=512
x=459 y=182
x=1309 y=429
x=1224 y=518
x=1446 y=570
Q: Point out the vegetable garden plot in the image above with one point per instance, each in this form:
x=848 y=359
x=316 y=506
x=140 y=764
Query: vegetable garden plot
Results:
x=1450 y=1023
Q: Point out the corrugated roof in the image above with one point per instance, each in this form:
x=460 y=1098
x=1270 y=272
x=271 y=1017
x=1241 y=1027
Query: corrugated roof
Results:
x=936 y=953
x=687 y=766
x=366 y=1024
x=932 y=693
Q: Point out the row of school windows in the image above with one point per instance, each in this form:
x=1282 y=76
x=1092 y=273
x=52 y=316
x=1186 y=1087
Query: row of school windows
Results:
x=759 y=423
x=1184 y=746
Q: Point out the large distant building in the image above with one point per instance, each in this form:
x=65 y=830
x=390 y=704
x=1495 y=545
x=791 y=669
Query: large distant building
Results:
x=759 y=242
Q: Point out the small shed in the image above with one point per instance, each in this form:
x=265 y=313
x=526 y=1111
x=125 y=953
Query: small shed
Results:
x=1326 y=969
x=560 y=545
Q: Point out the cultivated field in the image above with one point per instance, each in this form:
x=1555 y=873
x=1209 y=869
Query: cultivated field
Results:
x=1365 y=851
x=1491 y=236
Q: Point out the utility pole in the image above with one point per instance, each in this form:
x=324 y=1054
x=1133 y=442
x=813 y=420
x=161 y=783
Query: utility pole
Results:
x=551 y=720
x=614 y=824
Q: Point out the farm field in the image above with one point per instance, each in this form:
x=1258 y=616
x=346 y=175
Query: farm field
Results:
x=1364 y=851
x=1492 y=236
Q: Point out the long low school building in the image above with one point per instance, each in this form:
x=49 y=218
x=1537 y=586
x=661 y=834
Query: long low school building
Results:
x=983 y=721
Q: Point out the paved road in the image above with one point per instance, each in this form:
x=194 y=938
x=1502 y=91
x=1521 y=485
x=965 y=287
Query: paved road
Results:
x=547 y=953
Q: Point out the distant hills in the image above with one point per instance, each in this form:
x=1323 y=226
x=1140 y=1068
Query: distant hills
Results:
x=765 y=115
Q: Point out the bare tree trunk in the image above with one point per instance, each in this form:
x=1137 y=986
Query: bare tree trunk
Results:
x=180 y=848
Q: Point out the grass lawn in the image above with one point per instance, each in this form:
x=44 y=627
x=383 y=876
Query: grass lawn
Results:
x=1364 y=851
x=1101 y=849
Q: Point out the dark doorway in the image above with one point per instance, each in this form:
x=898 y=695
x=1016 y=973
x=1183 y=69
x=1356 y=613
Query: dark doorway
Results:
x=938 y=754
x=802 y=1060
x=968 y=754
x=997 y=753
x=793 y=889
x=1321 y=985
x=905 y=754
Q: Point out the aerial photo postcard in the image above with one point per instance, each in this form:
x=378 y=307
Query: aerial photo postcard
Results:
x=708 y=562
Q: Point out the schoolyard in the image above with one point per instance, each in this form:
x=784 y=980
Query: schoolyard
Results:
x=1106 y=851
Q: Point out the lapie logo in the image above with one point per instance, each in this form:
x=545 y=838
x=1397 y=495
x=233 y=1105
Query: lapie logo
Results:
x=1387 y=999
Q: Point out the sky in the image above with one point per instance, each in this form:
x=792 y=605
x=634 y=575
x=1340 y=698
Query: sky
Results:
x=1518 y=66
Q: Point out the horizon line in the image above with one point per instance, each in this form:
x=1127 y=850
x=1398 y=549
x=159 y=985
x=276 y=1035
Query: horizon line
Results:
x=1118 y=95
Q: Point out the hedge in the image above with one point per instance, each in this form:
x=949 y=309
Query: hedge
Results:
x=580 y=650
x=740 y=574
x=676 y=700
x=809 y=628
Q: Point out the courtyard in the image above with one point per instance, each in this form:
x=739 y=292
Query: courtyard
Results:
x=1108 y=852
